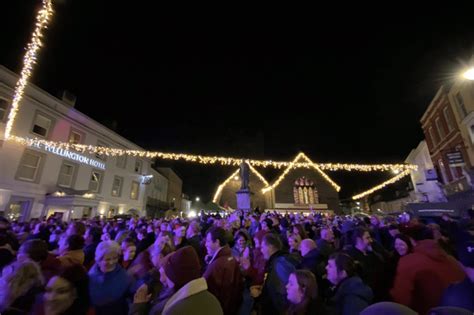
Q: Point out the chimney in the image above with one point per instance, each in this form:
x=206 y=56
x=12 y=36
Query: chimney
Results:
x=68 y=98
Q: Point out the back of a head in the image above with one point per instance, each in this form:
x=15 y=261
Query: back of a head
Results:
x=272 y=240
x=345 y=263
x=75 y=242
x=182 y=266
x=388 y=308
x=36 y=250
x=449 y=310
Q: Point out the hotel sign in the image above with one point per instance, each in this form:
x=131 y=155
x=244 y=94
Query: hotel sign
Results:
x=70 y=155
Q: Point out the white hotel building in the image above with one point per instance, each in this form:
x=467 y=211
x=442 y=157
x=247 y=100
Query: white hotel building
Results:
x=41 y=181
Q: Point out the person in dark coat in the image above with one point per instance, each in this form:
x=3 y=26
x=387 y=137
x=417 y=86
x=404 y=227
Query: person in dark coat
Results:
x=6 y=252
x=461 y=294
x=326 y=243
x=279 y=266
x=91 y=240
x=350 y=295
x=222 y=274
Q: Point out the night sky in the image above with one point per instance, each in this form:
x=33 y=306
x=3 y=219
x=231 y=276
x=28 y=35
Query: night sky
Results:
x=342 y=84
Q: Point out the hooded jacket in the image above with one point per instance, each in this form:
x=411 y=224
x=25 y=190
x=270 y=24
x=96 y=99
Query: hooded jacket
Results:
x=423 y=275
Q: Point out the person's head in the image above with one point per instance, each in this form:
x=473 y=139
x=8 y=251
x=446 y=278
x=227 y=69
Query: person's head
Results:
x=17 y=279
x=393 y=230
x=129 y=249
x=73 y=242
x=36 y=250
x=193 y=229
x=301 y=287
x=67 y=290
x=361 y=239
x=306 y=246
x=327 y=234
x=76 y=227
x=92 y=235
x=403 y=245
x=294 y=241
x=215 y=239
x=181 y=267
x=266 y=224
x=107 y=255
x=157 y=254
x=374 y=220
x=340 y=266
x=298 y=229
x=466 y=258
x=271 y=243
x=180 y=231
x=241 y=239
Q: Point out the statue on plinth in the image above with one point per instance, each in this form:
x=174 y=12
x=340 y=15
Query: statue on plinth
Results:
x=244 y=176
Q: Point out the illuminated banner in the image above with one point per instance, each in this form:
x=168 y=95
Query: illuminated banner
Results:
x=71 y=155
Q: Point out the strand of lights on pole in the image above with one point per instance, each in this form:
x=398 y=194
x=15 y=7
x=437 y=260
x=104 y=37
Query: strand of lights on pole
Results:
x=42 y=18
x=230 y=161
x=378 y=187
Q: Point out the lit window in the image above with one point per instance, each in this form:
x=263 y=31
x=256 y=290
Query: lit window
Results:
x=117 y=186
x=134 y=191
x=75 y=137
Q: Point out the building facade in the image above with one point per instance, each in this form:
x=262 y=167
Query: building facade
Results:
x=446 y=141
x=425 y=182
x=175 y=187
x=43 y=181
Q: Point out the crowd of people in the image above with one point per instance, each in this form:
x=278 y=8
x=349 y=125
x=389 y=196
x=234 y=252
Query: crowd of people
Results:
x=246 y=263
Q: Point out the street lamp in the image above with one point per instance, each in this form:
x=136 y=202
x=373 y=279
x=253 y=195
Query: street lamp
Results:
x=197 y=199
x=469 y=74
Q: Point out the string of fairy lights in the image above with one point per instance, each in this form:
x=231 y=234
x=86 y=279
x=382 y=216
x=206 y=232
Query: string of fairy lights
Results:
x=44 y=17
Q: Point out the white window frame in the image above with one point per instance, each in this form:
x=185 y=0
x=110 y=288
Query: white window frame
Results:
x=440 y=128
x=77 y=132
x=138 y=190
x=443 y=171
x=101 y=179
x=140 y=163
x=48 y=131
x=434 y=140
x=38 y=167
x=119 y=194
x=461 y=106
x=73 y=175
x=448 y=120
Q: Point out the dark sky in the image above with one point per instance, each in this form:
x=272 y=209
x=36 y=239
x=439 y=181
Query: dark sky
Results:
x=346 y=84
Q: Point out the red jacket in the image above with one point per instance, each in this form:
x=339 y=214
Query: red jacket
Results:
x=423 y=276
x=225 y=281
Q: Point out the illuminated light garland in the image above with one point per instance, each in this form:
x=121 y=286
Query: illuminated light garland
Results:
x=221 y=186
x=91 y=149
x=308 y=164
x=378 y=187
x=29 y=60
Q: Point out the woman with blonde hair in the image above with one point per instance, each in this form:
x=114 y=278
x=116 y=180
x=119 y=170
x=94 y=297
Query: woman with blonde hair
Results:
x=20 y=283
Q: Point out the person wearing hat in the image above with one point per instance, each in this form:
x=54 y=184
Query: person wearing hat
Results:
x=462 y=294
x=181 y=271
